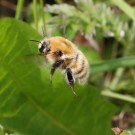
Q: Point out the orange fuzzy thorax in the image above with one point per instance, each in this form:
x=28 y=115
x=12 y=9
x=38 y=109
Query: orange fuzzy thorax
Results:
x=62 y=44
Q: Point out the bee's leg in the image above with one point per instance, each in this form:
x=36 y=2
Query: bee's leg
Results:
x=54 y=66
x=70 y=79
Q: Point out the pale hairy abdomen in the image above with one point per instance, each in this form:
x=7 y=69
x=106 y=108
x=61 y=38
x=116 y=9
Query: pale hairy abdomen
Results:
x=80 y=67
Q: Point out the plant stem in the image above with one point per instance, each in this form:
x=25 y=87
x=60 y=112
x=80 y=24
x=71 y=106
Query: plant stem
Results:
x=19 y=9
x=35 y=14
x=43 y=17
x=111 y=94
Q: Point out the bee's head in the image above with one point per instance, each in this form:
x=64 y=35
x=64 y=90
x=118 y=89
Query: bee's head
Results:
x=43 y=47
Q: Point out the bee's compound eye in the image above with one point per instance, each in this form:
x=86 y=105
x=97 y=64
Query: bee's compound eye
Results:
x=41 y=50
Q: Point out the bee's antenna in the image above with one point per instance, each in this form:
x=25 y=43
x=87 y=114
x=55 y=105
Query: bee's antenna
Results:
x=63 y=24
x=35 y=41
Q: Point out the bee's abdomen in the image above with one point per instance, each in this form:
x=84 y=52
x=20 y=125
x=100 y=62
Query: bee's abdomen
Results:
x=80 y=68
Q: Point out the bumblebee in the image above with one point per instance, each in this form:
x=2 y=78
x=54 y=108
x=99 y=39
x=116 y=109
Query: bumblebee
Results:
x=63 y=54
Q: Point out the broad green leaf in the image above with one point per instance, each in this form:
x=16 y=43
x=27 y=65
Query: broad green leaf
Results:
x=30 y=105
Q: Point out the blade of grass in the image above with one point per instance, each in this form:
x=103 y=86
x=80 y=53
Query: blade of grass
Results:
x=111 y=94
x=43 y=17
x=19 y=9
x=125 y=8
x=113 y=64
x=35 y=14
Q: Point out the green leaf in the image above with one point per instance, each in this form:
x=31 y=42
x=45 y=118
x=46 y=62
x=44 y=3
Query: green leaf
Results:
x=30 y=105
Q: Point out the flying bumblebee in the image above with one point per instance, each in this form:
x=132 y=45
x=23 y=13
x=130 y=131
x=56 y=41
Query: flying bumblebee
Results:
x=63 y=54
